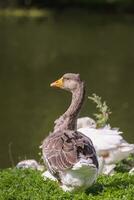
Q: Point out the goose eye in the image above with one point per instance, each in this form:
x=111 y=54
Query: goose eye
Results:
x=66 y=78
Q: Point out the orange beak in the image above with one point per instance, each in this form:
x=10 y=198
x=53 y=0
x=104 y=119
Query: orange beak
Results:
x=58 y=83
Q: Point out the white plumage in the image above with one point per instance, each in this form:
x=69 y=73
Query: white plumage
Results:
x=83 y=122
x=30 y=163
x=81 y=176
x=109 y=144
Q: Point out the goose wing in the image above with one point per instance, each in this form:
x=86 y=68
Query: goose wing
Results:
x=103 y=139
x=62 y=151
x=109 y=143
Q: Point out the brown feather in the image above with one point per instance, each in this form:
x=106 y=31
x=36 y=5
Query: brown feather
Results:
x=63 y=150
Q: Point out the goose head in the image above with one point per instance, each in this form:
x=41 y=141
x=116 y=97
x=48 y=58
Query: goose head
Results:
x=70 y=82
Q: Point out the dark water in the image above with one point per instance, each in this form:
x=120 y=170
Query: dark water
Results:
x=33 y=53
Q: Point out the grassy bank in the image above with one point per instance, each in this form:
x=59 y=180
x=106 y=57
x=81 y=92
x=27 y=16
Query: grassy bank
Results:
x=18 y=184
x=32 y=13
x=51 y=11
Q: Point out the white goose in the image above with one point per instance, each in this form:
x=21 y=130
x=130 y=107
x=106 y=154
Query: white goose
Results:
x=69 y=155
x=109 y=143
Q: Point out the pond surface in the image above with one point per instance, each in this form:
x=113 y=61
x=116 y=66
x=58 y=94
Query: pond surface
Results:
x=34 y=53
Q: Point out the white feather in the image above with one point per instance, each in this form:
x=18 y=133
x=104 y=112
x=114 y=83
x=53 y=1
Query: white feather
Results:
x=109 y=142
x=81 y=176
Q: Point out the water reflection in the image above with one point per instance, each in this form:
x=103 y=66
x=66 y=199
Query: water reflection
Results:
x=99 y=47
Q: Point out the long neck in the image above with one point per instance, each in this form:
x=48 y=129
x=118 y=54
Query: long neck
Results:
x=76 y=103
x=69 y=118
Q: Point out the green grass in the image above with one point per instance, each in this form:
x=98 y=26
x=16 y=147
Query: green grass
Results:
x=125 y=165
x=16 y=184
x=30 y=13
